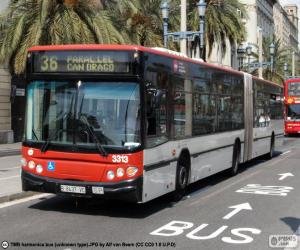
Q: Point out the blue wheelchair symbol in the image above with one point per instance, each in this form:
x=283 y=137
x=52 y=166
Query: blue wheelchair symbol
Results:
x=51 y=166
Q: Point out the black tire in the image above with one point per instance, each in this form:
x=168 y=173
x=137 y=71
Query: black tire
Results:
x=182 y=176
x=272 y=148
x=236 y=157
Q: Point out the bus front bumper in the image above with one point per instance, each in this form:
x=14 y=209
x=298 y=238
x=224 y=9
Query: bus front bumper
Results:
x=129 y=190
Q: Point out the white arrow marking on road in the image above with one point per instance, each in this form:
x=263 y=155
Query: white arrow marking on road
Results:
x=283 y=176
x=237 y=209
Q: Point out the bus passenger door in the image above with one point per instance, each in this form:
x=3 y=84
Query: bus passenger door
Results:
x=248 y=116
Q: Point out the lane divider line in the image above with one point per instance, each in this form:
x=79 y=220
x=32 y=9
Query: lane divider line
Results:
x=11 y=177
x=15 y=202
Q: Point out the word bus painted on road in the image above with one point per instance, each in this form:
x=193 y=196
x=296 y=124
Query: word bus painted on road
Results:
x=135 y=123
x=292 y=106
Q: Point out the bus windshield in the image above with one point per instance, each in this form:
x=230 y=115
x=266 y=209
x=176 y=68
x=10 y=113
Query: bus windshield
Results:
x=66 y=112
x=294 y=89
x=293 y=111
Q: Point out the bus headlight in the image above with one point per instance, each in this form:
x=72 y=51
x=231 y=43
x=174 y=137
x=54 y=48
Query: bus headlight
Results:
x=120 y=172
x=31 y=164
x=110 y=175
x=131 y=171
x=23 y=162
x=39 y=169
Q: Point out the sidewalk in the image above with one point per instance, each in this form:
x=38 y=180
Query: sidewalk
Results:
x=10 y=179
x=10 y=149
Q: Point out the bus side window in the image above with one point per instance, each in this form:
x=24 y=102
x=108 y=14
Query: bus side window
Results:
x=156 y=82
x=156 y=117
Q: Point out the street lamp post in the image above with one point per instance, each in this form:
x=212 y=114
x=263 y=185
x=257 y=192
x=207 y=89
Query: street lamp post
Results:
x=165 y=16
x=249 y=53
x=240 y=53
x=201 y=5
x=185 y=35
x=258 y=65
x=285 y=69
x=272 y=52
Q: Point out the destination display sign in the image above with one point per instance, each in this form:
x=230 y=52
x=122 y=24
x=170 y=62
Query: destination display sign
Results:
x=81 y=62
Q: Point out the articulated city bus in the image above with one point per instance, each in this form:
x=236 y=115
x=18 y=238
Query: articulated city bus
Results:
x=292 y=106
x=135 y=123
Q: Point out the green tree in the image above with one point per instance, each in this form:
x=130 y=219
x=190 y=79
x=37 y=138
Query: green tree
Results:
x=223 y=21
x=140 y=22
x=280 y=57
x=26 y=23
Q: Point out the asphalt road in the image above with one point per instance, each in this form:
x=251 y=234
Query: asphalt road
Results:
x=219 y=212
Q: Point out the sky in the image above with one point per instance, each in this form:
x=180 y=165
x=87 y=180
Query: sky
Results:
x=4 y=3
x=284 y=2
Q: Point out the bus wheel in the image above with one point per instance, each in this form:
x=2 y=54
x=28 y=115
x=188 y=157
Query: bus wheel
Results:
x=272 y=147
x=182 y=175
x=235 y=160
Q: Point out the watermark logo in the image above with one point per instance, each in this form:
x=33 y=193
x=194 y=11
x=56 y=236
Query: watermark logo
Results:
x=283 y=241
x=5 y=244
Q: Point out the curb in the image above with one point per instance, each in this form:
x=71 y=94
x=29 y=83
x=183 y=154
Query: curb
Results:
x=10 y=152
x=17 y=196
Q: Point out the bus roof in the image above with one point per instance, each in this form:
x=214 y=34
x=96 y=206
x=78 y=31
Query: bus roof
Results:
x=134 y=48
x=257 y=78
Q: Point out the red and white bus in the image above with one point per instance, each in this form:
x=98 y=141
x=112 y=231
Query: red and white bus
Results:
x=292 y=106
x=135 y=123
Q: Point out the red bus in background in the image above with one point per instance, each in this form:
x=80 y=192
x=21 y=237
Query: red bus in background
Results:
x=292 y=106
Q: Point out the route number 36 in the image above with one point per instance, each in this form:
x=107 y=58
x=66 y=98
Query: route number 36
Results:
x=120 y=158
x=49 y=63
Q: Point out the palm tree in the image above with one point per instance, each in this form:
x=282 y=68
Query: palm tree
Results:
x=279 y=58
x=223 y=21
x=281 y=55
x=29 y=22
x=140 y=22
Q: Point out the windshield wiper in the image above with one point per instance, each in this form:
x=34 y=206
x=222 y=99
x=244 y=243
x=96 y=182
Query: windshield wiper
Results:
x=46 y=144
x=65 y=115
x=90 y=130
x=34 y=134
x=54 y=135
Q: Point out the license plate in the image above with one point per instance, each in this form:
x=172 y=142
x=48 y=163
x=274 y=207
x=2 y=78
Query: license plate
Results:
x=97 y=190
x=72 y=189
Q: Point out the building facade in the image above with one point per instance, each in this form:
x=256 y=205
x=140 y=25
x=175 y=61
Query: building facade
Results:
x=260 y=21
x=292 y=13
x=282 y=25
x=6 y=133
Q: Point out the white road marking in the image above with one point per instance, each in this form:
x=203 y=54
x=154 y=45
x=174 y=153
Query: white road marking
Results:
x=265 y=190
x=11 y=177
x=237 y=209
x=10 y=156
x=12 y=203
x=221 y=190
x=273 y=162
x=7 y=169
x=285 y=175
